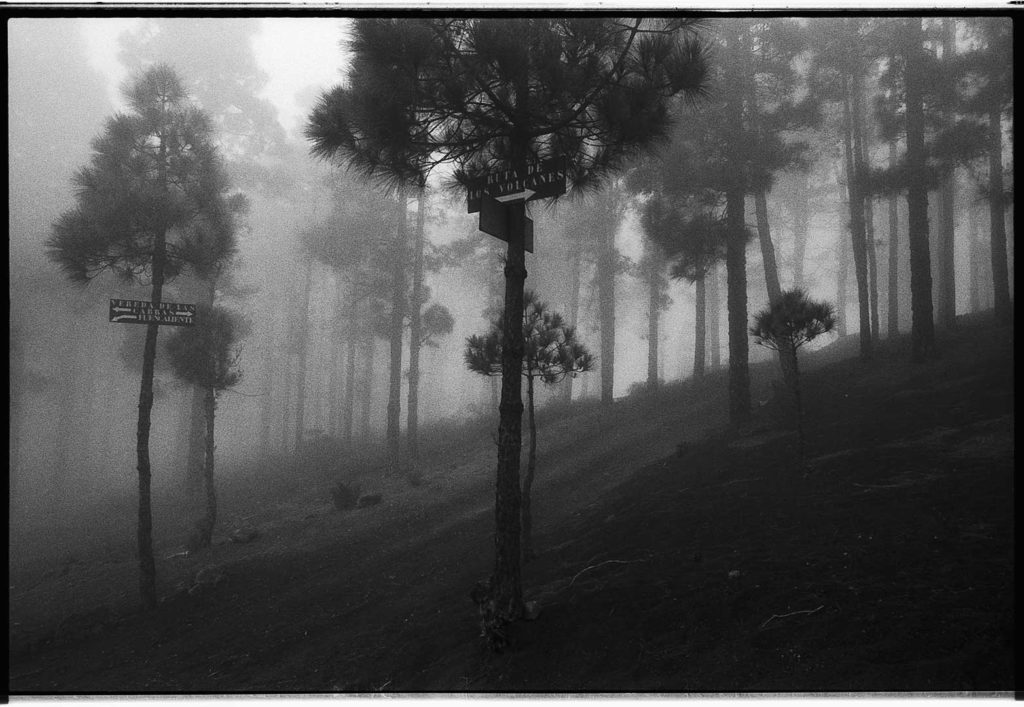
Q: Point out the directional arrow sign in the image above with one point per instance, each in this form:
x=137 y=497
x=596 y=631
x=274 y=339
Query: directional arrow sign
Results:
x=523 y=195
x=132 y=311
x=494 y=221
x=535 y=180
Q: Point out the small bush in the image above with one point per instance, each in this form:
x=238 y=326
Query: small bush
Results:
x=345 y=497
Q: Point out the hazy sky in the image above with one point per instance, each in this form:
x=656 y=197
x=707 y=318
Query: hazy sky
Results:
x=296 y=53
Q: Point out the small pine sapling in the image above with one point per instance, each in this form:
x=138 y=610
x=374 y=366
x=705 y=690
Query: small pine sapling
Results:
x=550 y=353
x=785 y=326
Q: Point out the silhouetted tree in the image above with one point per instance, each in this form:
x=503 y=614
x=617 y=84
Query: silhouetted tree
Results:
x=922 y=335
x=989 y=100
x=842 y=59
x=788 y=323
x=206 y=355
x=153 y=201
x=693 y=238
x=216 y=54
x=488 y=94
x=551 y=352
x=355 y=240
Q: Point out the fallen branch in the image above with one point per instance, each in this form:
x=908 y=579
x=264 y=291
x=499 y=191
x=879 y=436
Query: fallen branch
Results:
x=599 y=564
x=792 y=613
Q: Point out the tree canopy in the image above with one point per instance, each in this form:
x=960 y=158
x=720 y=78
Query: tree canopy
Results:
x=154 y=173
x=551 y=348
x=485 y=93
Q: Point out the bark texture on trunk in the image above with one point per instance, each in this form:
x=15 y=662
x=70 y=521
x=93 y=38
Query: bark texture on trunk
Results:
x=506 y=585
x=147 y=564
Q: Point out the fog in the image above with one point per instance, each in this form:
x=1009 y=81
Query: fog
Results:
x=75 y=375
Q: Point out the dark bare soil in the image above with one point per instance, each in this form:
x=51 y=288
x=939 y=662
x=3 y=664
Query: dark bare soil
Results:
x=673 y=556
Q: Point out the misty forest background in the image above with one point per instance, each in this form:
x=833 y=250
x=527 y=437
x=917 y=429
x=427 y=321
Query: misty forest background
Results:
x=315 y=353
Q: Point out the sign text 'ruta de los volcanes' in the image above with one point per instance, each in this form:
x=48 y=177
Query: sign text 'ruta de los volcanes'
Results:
x=534 y=180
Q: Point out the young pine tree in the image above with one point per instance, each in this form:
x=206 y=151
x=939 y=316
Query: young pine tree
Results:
x=551 y=352
x=787 y=324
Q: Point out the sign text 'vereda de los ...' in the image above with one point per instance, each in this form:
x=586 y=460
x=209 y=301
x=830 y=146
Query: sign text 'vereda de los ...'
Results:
x=130 y=311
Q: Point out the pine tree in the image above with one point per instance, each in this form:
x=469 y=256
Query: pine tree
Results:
x=551 y=352
x=206 y=355
x=153 y=202
x=489 y=94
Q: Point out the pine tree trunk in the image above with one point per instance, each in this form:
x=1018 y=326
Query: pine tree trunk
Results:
x=653 y=307
x=335 y=400
x=714 y=312
x=798 y=403
x=842 y=283
x=606 y=266
x=945 y=309
x=997 y=216
x=771 y=277
x=303 y=336
x=531 y=467
x=945 y=248
x=894 y=239
x=573 y=313
x=801 y=224
x=396 y=329
x=922 y=326
x=206 y=293
x=869 y=237
x=852 y=148
x=701 y=329
x=266 y=401
x=147 y=564
x=736 y=276
x=737 y=57
x=415 y=334
x=210 y=520
x=764 y=237
x=352 y=329
x=975 y=285
x=369 y=356
x=506 y=585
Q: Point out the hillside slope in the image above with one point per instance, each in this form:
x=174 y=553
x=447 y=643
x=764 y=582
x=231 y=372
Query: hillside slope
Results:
x=673 y=556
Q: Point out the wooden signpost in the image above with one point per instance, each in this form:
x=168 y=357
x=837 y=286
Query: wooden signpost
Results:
x=491 y=193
